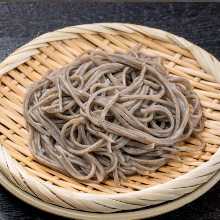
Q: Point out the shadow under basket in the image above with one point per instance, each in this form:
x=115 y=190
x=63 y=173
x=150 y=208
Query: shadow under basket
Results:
x=56 y=49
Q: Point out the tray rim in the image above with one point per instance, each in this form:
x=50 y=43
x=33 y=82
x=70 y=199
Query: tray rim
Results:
x=128 y=215
x=199 y=175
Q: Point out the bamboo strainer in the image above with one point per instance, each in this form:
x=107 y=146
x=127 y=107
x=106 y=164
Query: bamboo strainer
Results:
x=56 y=49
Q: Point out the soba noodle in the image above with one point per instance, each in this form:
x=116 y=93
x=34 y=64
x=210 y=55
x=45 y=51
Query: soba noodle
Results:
x=110 y=115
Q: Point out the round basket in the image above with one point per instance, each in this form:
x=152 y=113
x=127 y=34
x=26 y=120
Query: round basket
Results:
x=56 y=49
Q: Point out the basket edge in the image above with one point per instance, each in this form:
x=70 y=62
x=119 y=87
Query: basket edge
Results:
x=154 y=195
x=20 y=55
x=136 y=214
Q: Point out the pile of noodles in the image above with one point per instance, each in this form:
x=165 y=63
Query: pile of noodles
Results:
x=110 y=115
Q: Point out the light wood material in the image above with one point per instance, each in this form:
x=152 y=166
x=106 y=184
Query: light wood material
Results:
x=144 y=213
x=58 y=48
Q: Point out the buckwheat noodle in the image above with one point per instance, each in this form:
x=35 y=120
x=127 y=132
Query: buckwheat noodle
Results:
x=110 y=115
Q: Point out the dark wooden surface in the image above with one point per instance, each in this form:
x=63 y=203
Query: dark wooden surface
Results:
x=24 y=20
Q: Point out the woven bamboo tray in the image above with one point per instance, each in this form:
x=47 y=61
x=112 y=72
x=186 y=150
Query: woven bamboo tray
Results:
x=58 y=48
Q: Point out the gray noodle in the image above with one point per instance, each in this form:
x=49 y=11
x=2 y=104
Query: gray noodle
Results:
x=110 y=115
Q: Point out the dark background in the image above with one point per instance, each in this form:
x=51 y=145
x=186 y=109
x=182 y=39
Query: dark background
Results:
x=198 y=22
